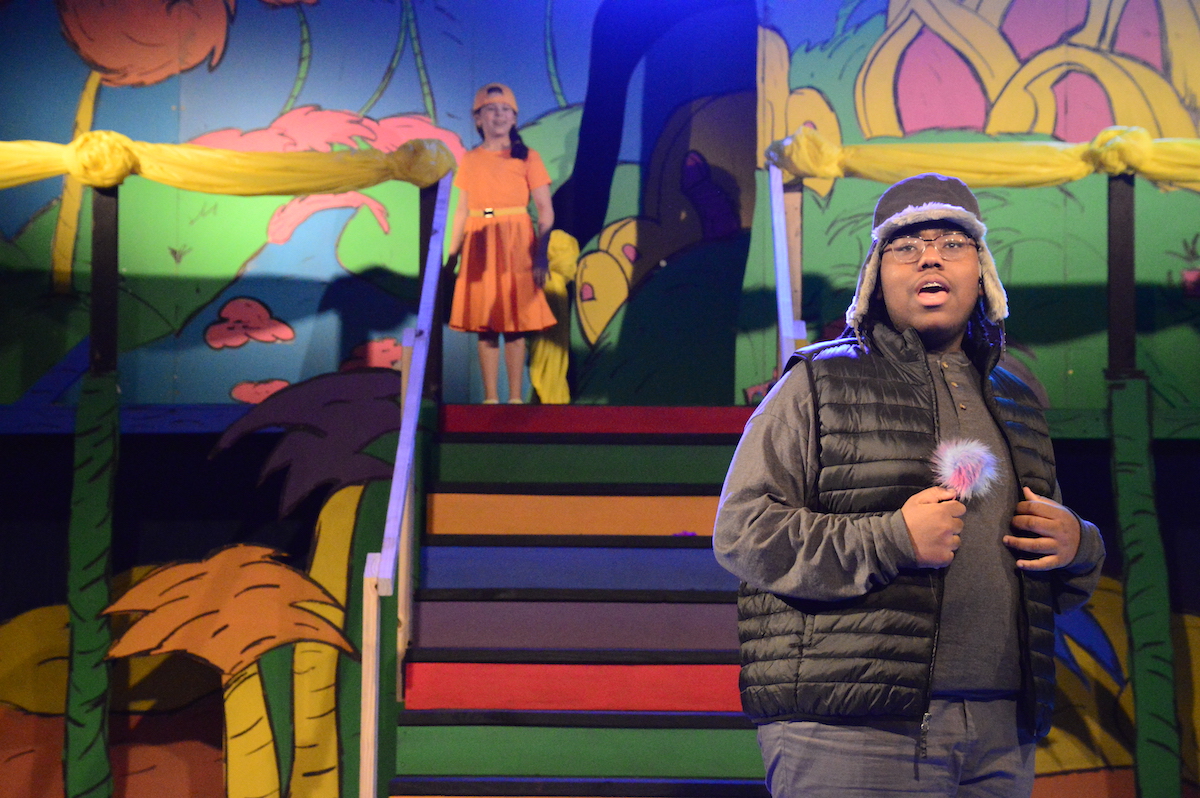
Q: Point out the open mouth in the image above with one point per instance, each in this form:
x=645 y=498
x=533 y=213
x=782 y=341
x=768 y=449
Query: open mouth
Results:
x=932 y=288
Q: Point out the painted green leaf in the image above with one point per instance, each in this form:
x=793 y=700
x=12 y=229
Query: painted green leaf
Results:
x=179 y=249
x=388 y=258
x=555 y=136
x=37 y=328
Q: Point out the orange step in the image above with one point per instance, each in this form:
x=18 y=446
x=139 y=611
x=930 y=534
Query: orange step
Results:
x=517 y=514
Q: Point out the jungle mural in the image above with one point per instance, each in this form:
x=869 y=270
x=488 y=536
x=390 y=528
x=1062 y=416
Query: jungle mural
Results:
x=245 y=314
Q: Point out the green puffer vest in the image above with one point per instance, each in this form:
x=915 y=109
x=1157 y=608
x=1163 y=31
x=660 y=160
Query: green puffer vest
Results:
x=872 y=656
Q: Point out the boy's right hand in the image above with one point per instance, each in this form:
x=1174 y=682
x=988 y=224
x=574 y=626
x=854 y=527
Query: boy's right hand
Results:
x=934 y=521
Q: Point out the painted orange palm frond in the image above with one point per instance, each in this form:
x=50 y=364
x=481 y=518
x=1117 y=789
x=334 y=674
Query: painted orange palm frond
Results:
x=227 y=610
x=141 y=42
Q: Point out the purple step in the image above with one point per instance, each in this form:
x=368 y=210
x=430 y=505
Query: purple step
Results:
x=576 y=625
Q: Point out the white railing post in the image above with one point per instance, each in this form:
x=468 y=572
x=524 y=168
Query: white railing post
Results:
x=390 y=570
x=785 y=226
x=783 y=279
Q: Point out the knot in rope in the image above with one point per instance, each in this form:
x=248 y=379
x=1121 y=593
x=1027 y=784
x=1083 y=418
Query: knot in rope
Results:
x=810 y=153
x=420 y=161
x=1120 y=150
x=101 y=158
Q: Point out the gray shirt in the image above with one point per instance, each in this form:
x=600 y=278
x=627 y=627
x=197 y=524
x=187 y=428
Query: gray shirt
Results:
x=977 y=649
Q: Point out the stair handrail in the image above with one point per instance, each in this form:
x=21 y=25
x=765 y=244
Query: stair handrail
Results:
x=389 y=571
x=790 y=326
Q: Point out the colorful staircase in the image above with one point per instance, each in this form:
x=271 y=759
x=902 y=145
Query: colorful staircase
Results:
x=573 y=634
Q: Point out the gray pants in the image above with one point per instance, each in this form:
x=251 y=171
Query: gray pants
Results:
x=972 y=749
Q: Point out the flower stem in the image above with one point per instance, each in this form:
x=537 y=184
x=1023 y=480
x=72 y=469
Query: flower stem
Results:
x=62 y=246
x=305 y=61
x=426 y=91
x=391 y=68
x=551 y=59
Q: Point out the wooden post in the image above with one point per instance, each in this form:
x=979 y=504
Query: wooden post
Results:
x=435 y=206
x=368 y=739
x=407 y=340
x=105 y=277
x=793 y=209
x=1122 y=283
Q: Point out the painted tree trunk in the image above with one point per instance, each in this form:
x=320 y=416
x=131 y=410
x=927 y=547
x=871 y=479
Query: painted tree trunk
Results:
x=316 y=762
x=1147 y=601
x=251 y=767
x=316 y=759
x=86 y=769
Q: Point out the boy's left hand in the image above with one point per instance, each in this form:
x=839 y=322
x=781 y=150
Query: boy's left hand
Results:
x=1056 y=529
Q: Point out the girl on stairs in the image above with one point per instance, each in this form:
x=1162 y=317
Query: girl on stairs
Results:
x=498 y=290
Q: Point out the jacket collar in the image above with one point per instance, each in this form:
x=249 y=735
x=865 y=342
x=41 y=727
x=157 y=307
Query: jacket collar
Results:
x=983 y=343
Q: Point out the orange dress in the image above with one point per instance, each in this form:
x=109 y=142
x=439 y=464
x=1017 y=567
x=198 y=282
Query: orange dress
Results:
x=495 y=291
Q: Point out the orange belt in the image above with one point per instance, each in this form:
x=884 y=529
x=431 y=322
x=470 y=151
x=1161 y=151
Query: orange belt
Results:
x=488 y=213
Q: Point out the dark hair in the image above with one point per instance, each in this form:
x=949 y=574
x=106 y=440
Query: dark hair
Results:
x=519 y=149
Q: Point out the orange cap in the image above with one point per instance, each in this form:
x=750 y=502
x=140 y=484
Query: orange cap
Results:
x=492 y=93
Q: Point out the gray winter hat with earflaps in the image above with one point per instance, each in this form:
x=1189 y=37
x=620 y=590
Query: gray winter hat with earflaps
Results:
x=926 y=198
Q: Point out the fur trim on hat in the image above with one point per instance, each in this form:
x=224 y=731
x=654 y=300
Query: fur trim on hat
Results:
x=995 y=298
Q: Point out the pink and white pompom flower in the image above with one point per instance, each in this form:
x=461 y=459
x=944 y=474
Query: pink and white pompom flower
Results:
x=966 y=466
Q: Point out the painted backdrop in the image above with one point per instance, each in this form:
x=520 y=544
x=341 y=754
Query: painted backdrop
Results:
x=260 y=335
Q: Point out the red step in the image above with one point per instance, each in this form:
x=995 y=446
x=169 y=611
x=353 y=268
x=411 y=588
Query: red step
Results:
x=595 y=688
x=593 y=420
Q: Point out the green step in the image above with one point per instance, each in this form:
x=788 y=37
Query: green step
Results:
x=577 y=788
x=578 y=463
x=578 y=752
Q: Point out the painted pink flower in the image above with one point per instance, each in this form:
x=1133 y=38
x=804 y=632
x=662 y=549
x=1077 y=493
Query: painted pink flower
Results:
x=285 y=220
x=1083 y=108
x=1190 y=280
x=253 y=392
x=381 y=353
x=1031 y=26
x=311 y=128
x=242 y=320
x=393 y=131
x=308 y=127
x=930 y=72
x=261 y=140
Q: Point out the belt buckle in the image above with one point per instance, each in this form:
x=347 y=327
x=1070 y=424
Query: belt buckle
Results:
x=488 y=213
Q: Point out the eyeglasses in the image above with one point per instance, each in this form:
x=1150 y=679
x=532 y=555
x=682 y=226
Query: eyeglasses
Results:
x=951 y=246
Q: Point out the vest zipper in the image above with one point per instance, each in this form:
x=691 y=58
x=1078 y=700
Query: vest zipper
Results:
x=923 y=745
x=1027 y=698
x=936 y=584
